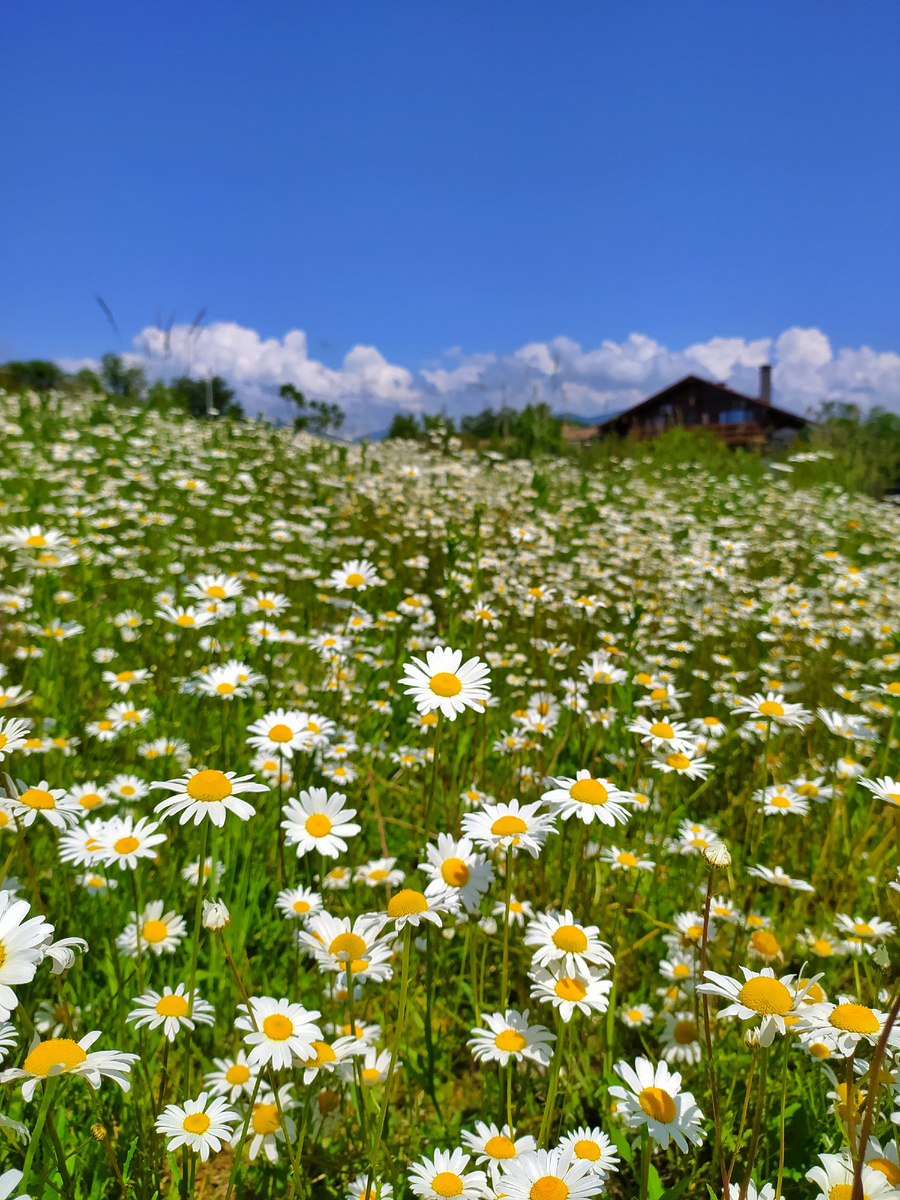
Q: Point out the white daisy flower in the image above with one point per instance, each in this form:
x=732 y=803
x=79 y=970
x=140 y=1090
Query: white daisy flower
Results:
x=761 y=996
x=355 y=576
x=559 y=938
x=637 y=1015
x=444 y=682
x=379 y=872
x=885 y=788
x=233 y=1077
x=549 y=1175
x=266 y=1129
x=588 y=799
x=123 y=841
x=593 y=1147
x=53 y=804
x=834 y=1178
x=493 y=1147
x=63 y=1056
x=23 y=942
x=663 y=736
x=586 y=991
x=445 y=1174
x=680 y=1040
x=521 y=826
x=277 y=1031
x=510 y=1036
x=455 y=865
x=299 y=902
x=173 y=1010
x=282 y=731
x=409 y=907
x=13 y=734
x=158 y=932
x=208 y=793
x=338 y=943
x=841 y=1027
x=202 y=1125
x=317 y=821
x=653 y=1097
x=773 y=708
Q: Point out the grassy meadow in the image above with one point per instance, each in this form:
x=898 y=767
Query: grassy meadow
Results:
x=400 y=819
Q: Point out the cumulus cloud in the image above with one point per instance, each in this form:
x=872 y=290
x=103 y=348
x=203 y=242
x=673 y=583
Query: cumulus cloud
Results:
x=587 y=383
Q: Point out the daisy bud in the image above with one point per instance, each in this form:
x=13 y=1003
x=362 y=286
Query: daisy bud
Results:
x=215 y=915
x=717 y=854
x=98 y=1132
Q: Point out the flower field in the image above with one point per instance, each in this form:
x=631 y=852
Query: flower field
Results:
x=381 y=821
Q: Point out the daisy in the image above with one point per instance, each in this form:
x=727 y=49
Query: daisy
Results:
x=682 y=764
x=126 y=716
x=329 y=1058
x=128 y=787
x=173 y=1010
x=409 y=907
x=661 y=736
x=379 y=872
x=593 y=1147
x=185 y=618
x=63 y=1056
x=223 y=683
x=214 y=587
x=282 y=731
x=376 y=1066
x=54 y=804
x=834 y=1179
x=680 y=1040
x=781 y=800
x=10 y=1181
x=81 y=845
x=587 y=991
x=637 y=1016
x=22 y=943
x=191 y=873
x=233 y=1077
x=774 y=708
x=509 y=1036
x=560 y=939
x=653 y=1097
x=860 y=928
x=122 y=681
x=587 y=798
x=317 y=821
x=778 y=876
x=761 y=995
x=208 y=793
x=841 y=1027
x=299 y=902
x=549 y=1175
x=520 y=911
x=493 y=1147
x=278 y=1031
x=271 y=603
x=625 y=860
x=154 y=930
x=364 y=1187
x=355 y=575
x=886 y=789
x=337 y=943
x=340 y=773
x=266 y=1129
x=498 y=826
x=444 y=682
x=456 y=866
x=89 y=795
x=122 y=841
x=201 y=1125
x=338 y=879
x=445 y=1174
x=13 y=734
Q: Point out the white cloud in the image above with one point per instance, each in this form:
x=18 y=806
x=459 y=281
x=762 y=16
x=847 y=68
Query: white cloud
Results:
x=606 y=379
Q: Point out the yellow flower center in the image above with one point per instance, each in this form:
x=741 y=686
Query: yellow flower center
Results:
x=660 y=694
x=589 y=791
x=766 y=995
x=658 y=1104
x=196 y=1123
x=684 y=1032
x=354 y=579
x=445 y=1183
x=301 y=906
x=855 y=1018
x=155 y=931
x=587 y=1151
x=265 y=1118
x=864 y=928
x=104 y=726
x=771 y=708
x=378 y=875
x=662 y=729
x=125 y=676
x=90 y=800
x=184 y=620
x=217 y=593
x=454 y=872
x=819 y=1050
x=500 y=1147
x=508 y=825
x=510 y=1040
x=37 y=798
x=126 y=845
x=56 y=1052
x=888 y=1169
x=549 y=1187
x=765 y=943
x=127 y=790
x=681 y=970
x=445 y=683
x=172 y=1006
x=678 y=761
x=406 y=902
x=36 y=539
x=347 y=945
x=280 y=733
x=95 y=881
x=843 y=1191
x=209 y=786
x=627 y=859
x=570 y=939
x=568 y=988
x=277 y=1027
x=780 y=802
x=323 y=1054
x=237 y=1074
x=318 y=825
x=370 y=1075
x=807 y=789
x=225 y=689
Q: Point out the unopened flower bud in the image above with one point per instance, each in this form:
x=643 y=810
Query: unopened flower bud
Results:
x=215 y=915
x=717 y=854
x=98 y=1132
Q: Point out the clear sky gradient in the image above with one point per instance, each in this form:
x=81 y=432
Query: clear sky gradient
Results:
x=421 y=175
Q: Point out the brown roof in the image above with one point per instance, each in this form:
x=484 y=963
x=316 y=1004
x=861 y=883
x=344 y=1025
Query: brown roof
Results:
x=712 y=389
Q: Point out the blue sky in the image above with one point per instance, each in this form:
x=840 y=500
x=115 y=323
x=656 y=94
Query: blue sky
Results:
x=421 y=176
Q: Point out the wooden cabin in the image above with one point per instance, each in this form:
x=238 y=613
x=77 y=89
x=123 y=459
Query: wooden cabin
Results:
x=697 y=403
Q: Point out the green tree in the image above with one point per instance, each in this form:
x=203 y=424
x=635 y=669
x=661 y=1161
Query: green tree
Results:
x=36 y=374
x=315 y=416
x=121 y=380
x=193 y=394
x=404 y=425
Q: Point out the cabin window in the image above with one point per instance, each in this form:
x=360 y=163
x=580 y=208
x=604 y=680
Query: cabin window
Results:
x=735 y=416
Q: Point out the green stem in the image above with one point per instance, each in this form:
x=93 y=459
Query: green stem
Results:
x=395 y=1050
x=49 y=1088
x=547 y=1119
x=504 y=987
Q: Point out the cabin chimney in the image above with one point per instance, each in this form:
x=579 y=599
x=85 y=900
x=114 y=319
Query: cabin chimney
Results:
x=765 y=384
